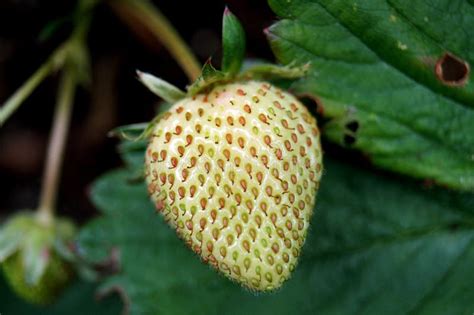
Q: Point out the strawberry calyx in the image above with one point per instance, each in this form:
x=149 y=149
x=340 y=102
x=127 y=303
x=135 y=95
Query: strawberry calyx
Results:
x=30 y=249
x=234 y=69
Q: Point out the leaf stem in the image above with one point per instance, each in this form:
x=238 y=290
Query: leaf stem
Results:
x=144 y=12
x=57 y=141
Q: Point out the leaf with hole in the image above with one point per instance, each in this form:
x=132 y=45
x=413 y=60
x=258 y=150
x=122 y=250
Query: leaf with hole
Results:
x=399 y=69
x=387 y=246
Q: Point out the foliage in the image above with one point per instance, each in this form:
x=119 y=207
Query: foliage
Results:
x=390 y=79
x=373 y=70
x=376 y=245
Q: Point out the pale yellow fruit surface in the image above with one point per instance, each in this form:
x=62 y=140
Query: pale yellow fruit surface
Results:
x=236 y=172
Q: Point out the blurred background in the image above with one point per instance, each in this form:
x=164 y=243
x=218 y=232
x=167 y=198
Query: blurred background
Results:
x=114 y=98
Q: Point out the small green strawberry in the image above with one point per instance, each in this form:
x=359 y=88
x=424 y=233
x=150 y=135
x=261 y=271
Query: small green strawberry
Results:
x=31 y=257
x=234 y=166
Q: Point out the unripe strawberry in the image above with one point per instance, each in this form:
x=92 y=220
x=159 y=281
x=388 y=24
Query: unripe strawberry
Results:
x=235 y=171
x=30 y=252
x=56 y=276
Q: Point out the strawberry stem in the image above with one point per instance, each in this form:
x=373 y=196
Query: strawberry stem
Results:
x=70 y=77
x=55 y=61
x=134 y=12
x=57 y=141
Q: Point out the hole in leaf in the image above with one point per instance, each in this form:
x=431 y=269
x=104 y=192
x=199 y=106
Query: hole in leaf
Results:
x=312 y=102
x=349 y=140
x=352 y=126
x=452 y=70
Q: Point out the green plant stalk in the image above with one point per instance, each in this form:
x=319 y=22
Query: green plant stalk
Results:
x=62 y=116
x=142 y=11
x=57 y=141
x=12 y=104
x=54 y=62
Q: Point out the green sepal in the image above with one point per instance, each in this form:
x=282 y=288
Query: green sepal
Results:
x=160 y=87
x=36 y=242
x=234 y=68
x=135 y=140
x=257 y=71
x=126 y=147
x=136 y=132
x=140 y=131
x=9 y=241
x=132 y=155
x=268 y=71
x=209 y=77
x=67 y=231
x=132 y=132
x=233 y=43
x=35 y=250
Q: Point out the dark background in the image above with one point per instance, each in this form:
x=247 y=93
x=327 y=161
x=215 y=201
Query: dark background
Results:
x=114 y=98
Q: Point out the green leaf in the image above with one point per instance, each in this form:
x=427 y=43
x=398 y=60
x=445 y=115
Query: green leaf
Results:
x=374 y=71
x=135 y=140
x=209 y=77
x=233 y=43
x=375 y=246
x=133 y=156
x=78 y=299
x=160 y=87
